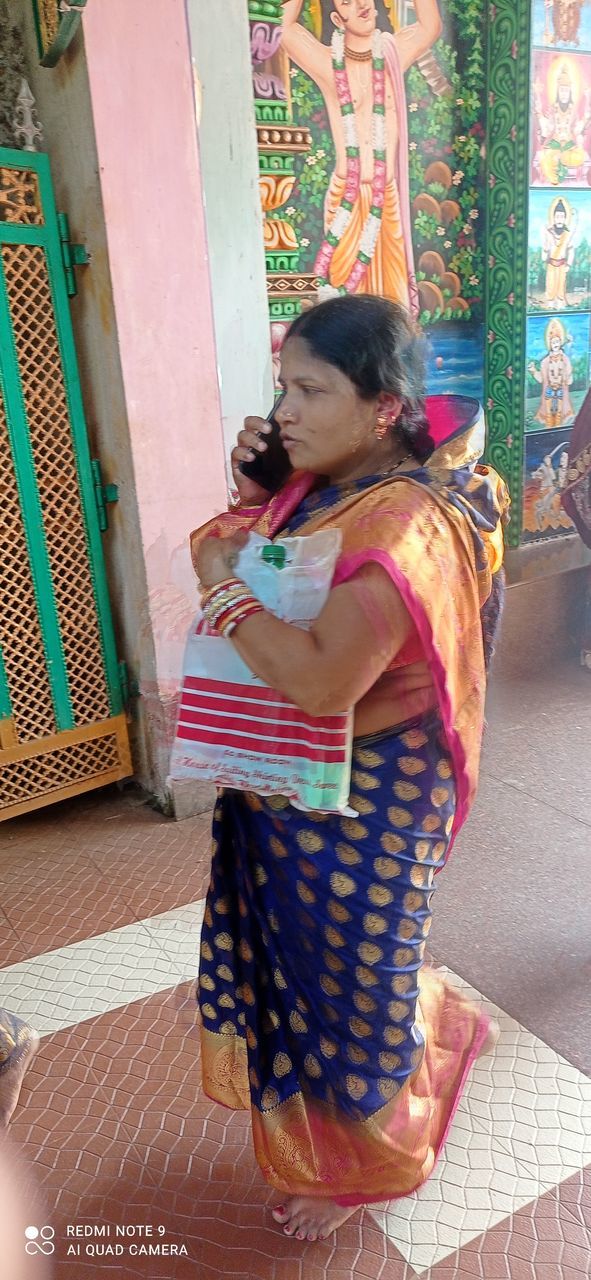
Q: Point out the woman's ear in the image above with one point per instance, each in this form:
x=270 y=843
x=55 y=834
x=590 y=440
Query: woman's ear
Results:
x=337 y=21
x=389 y=406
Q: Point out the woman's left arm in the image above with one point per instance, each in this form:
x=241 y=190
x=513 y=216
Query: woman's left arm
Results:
x=329 y=668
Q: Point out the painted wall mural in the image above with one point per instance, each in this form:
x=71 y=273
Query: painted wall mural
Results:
x=370 y=122
x=558 y=340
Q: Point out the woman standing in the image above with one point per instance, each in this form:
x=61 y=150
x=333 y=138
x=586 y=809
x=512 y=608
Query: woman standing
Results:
x=318 y=1014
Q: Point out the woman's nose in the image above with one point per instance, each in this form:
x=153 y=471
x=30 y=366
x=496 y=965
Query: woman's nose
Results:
x=285 y=411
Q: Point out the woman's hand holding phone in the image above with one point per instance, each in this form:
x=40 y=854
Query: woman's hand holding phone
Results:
x=251 y=442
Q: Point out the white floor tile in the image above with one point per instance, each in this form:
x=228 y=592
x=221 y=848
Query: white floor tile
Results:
x=522 y=1127
x=103 y=973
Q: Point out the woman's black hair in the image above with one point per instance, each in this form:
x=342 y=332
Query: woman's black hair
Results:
x=376 y=344
x=328 y=26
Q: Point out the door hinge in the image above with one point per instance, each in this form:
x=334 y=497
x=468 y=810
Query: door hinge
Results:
x=103 y=493
x=73 y=255
x=129 y=688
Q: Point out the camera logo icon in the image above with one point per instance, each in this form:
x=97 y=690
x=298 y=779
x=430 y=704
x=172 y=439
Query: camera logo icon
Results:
x=40 y=1240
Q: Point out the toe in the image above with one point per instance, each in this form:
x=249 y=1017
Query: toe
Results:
x=279 y=1213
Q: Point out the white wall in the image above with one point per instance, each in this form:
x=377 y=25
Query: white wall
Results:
x=229 y=166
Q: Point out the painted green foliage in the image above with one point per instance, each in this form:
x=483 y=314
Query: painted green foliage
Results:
x=449 y=129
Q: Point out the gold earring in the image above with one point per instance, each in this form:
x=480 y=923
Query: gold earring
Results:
x=381 y=427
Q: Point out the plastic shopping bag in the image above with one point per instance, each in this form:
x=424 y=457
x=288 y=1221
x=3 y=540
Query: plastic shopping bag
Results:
x=237 y=732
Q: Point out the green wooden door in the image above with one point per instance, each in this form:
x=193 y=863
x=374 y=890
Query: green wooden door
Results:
x=62 y=721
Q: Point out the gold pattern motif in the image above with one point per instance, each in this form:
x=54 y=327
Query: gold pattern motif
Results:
x=305 y=893
x=411 y=765
x=334 y=963
x=365 y=781
x=277 y=803
x=353 y=829
x=407 y=791
x=308 y=869
x=329 y=985
x=226 y=1002
x=387 y=868
x=419 y=877
x=248 y=995
x=270 y=1099
x=401 y=984
x=224 y=972
x=342 y=885
x=444 y=769
x=439 y=796
x=356 y=1087
x=339 y=912
x=357 y=1055
x=206 y=982
x=400 y=817
x=373 y=923
x=431 y=823
x=422 y=849
x=312 y=1066
x=245 y=951
x=370 y=953
x=297 y=1023
x=414 y=739
x=328 y=1047
x=413 y=902
x=333 y=937
x=388 y=1089
x=347 y=854
x=277 y=847
x=282 y=1065
x=398 y=1010
x=359 y=1027
x=279 y=980
x=363 y=1002
x=389 y=1061
x=362 y=805
x=439 y=849
x=206 y=951
x=223 y=942
x=369 y=759
x=365 y=976
x=394 y=1036
x=392 y=843
x=406 y=930
x=222 y=906
x=310 y=841
x=260 y=875
x=379 y=895
x=208 y=1011
x=403 y=956
x=251 y=1039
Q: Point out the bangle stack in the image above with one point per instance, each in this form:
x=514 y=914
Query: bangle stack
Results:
x=228 y=604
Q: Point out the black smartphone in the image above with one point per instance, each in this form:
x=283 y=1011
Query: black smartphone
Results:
x=270 y=468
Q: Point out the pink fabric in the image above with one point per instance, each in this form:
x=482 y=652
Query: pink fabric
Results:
x=402 y=179
x=347 y=566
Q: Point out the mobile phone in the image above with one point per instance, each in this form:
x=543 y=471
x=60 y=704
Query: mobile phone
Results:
x=270 y=468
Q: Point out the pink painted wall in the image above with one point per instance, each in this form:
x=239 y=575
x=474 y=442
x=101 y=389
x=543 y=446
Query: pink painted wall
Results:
x=141 y=84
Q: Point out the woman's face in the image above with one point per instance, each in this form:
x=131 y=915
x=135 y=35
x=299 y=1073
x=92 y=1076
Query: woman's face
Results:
x=325 y=425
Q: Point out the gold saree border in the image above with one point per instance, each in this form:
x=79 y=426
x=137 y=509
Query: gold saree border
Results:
x=307 y=1147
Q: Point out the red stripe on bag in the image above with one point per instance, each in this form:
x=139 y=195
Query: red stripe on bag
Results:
x=263 y=729
x=278 y=712
x=233 y=689
x=264 y=747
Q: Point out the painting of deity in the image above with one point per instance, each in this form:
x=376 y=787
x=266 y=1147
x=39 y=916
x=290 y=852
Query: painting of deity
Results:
x=561 y=119
x=562 y=24
x=559 y=253
x=388 y=195
x=557 y=370
x=546 y=463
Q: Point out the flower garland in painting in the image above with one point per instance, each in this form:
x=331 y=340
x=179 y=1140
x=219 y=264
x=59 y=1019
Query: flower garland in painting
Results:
x=342 y=217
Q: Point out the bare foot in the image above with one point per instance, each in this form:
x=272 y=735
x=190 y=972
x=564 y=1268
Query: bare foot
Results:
x=12 y=1079
x=308 y=1218
x=492 y=1039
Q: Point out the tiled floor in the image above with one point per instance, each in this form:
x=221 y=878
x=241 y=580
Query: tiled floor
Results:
x=101 y=905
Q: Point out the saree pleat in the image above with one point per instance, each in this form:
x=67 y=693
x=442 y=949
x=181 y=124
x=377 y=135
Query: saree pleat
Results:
x=317 y=1012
